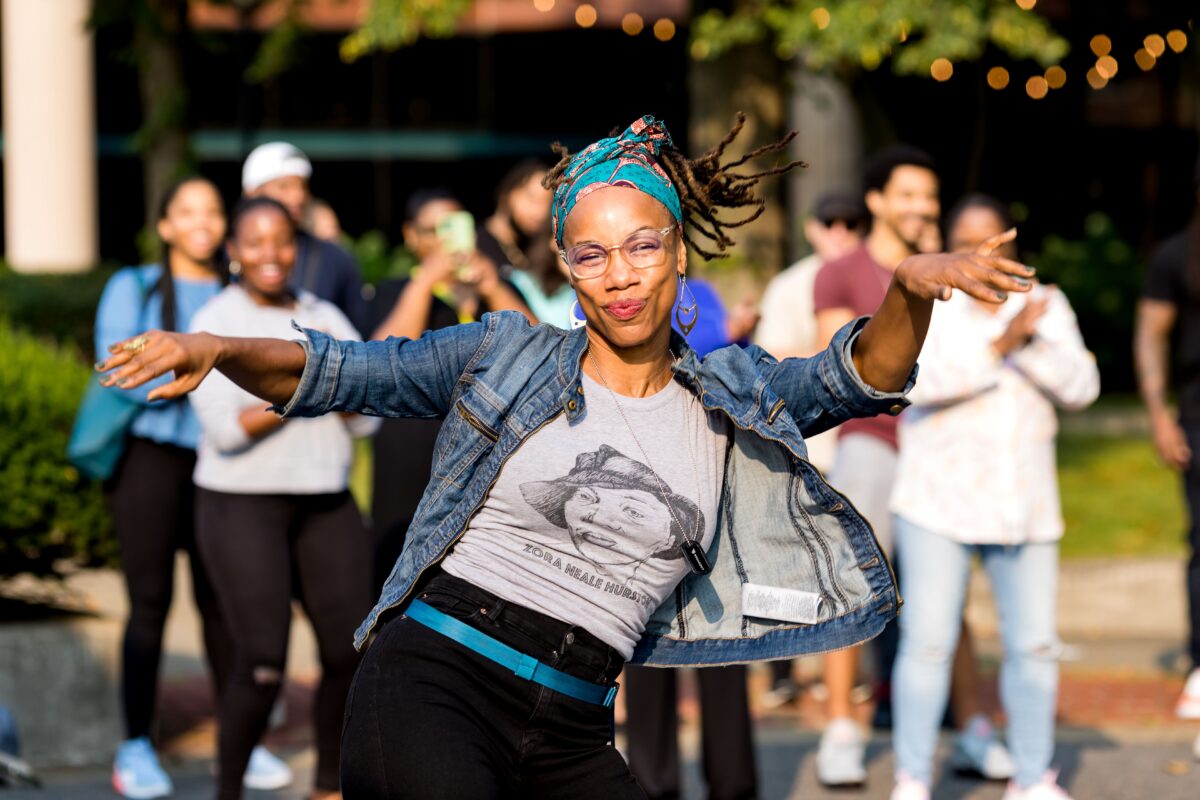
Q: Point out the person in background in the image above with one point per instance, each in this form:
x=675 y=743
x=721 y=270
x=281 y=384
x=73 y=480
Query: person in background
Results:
x=1170 y=309
x=152 y=495
x=651 y=694
x=976 y=477
x=280 y=170
x=322 y=221
x=272 y=503
x=430 y=299
x=517 y=238
x=788 y=328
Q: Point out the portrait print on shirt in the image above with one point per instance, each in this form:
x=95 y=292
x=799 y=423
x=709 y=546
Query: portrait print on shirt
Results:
x=612 y=509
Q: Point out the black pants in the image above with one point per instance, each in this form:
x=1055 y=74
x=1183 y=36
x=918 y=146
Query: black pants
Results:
x=260 y=551
x=727 y=744
x=152 y=501
x=1191 y=482
x=429 y=718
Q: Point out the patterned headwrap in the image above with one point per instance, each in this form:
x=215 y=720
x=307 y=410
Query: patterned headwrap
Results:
x=630 y=159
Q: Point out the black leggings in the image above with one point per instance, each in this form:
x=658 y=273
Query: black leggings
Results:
x=430 y=719
x=260 y=550
x=152 y=503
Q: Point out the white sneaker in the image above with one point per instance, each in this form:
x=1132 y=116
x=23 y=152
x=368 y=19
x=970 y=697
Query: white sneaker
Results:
x=909 y=789
x=979 y=752
x=137 y=775
x=1188 y=706
x=840 y=756
x=1045 y=789
x=266 y=771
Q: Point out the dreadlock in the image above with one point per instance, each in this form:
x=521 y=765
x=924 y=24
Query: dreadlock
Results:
x=705 y=186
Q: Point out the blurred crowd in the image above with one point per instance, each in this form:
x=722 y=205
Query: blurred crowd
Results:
x=261 y=503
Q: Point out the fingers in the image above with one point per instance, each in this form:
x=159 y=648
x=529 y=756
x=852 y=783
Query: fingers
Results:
x=1010 y=266
x=176 y=388
x=980 y=290
x=989 y=246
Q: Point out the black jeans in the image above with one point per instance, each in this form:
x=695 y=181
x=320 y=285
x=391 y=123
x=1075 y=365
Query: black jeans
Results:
x=152 y=501
x=1191 y=484
x=727 y=742
x=429 y=718
x=260 y=551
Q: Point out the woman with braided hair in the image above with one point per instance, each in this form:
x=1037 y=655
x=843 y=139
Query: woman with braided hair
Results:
x=497 y=639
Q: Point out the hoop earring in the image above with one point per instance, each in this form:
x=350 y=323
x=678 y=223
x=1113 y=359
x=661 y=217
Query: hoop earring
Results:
x=577 y=320
x=235 y=267
x=686 y=315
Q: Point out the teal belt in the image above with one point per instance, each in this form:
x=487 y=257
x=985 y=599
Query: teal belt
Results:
x=523 y=666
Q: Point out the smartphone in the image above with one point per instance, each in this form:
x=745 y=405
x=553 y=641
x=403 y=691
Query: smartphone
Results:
x=457 y=232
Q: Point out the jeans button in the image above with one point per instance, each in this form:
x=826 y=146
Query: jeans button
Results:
x=570 y=639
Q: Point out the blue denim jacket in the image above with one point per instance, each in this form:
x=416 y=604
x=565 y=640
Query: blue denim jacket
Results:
x=499 y=380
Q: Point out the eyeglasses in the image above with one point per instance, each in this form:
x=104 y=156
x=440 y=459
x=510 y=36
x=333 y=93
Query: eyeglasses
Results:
x=643 y=249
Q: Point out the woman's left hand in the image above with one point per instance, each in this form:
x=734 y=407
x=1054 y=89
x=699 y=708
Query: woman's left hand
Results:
x=982 y=275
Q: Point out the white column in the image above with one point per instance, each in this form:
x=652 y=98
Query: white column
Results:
x=50 y=211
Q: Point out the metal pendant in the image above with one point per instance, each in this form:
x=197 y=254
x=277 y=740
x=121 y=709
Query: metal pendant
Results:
x=686 y=315
x=694 y=555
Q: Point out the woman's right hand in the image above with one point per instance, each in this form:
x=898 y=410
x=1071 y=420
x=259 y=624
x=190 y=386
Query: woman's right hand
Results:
x=140 y=359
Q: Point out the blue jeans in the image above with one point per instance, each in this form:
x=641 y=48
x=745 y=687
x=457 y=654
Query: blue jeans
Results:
x=934 y=572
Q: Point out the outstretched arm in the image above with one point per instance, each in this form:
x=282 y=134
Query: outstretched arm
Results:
x=267 y=368
x=888 y=346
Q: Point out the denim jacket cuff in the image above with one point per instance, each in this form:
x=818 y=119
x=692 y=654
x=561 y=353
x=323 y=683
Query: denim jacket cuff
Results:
x=306 y=400
x=843 y=378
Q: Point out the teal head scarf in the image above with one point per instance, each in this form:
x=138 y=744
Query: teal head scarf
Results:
x=630 y=159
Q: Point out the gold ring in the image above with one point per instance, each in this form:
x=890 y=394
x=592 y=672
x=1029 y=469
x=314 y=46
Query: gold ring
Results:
x=135 y=345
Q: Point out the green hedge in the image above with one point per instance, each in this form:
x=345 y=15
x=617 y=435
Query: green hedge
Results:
x=61 y=307
x=50 y=517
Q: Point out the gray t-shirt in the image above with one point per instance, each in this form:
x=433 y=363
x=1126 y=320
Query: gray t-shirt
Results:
x=576 y=526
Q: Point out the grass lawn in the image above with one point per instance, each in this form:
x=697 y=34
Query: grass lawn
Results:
x=1118 y=499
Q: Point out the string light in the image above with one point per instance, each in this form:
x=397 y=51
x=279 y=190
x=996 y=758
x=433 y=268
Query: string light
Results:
x=997 y=78
x=585 y=15
x=821 y=17
x=1177 y=40
x=632 y=23
x=1145 y=59
x=664 y=30
x=1056 y=77
x=543 y=5
x=1101 y=45
x=1107 y=67
x=1036 y=87
x=1155 y=44
x=941 y=69
x=1026 y=5
x=1095 y=79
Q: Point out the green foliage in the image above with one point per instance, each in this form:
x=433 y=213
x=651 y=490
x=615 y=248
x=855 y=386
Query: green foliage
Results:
x=1118 y=499
x=391 y=24
x=1100 y=276
x=61 y=307
x=380 y=261
x=48 y=513
x=848 y=35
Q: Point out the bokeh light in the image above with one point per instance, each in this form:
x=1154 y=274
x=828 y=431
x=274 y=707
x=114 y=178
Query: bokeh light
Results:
x=1177 y=40
x=1144 y=59
x=1027 y=5
x=941 y=69
x=632 y=23
x=1095 y=79
x=586 y=15
x=997 y=77
x=1101 y=45
x=1107 y=66
x=543 y=5
x=1155 y=44
x=1036 y=87
x=821 y=17
x=664 y=30
x=1056 y=77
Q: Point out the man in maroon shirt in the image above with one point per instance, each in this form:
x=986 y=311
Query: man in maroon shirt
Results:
x=901 y=188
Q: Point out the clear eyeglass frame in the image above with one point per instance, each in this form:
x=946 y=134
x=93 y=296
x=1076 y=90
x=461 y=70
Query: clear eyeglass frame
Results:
x=569 y=256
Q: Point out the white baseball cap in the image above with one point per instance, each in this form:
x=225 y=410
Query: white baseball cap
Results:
x=273 y=160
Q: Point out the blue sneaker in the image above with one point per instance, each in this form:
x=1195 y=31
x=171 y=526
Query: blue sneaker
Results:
x=266 y=771
x=137 y=773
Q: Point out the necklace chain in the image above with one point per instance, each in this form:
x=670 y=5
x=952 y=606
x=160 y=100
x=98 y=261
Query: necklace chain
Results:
x=695 y=532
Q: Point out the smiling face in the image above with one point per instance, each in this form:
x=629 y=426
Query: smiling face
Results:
x=617 y=526
x=974 y=226
x=907 y=204
x=195 y=221
x=264 y=242
x=626 y=307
